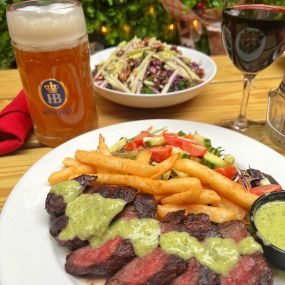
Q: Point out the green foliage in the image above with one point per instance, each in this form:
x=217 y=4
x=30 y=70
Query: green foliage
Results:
x=6 y=51
x=126 y=18
x=122 y=18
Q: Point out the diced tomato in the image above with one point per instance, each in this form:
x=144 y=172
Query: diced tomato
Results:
x=194 y=149
x=160 y=153
x=189 y=145
x=130 y=146
x=263 y=189
x=189 y=137
x=138 y=140
x=229 y=171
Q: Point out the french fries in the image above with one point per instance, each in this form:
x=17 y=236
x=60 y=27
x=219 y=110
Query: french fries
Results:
x=198 y=189
x=102 y=147
x=177 y=185
x=144 y=156
x=208 y=196
x=217 y=215
x=224 y=186
x=227 y=204
x=182 y=198
x=124 y=165
x=142 y=184
x=69 y=173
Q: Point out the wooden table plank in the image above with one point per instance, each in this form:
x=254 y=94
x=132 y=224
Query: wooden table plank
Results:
x=13 y=167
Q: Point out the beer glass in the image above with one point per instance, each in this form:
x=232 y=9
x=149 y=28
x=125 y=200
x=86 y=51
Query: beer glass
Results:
x=52 y=53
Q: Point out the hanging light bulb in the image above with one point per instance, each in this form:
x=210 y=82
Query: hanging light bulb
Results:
x=170 y=27
x=151 y=10
x=104 y=30
x=126 y=28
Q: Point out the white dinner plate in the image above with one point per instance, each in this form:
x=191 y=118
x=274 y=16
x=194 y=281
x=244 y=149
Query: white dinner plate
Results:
x=29 y=256
x=157 y=100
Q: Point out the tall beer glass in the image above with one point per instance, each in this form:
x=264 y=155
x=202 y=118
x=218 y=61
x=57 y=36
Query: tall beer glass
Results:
x=52 y=53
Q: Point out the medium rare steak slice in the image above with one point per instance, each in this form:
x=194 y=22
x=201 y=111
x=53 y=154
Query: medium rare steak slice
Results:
x=200 y=226
x=250 y=270
x=55 y=205
x=191 y=276
x=235 y=230
x=155 y=268
x=145 y=205
x=102 y=261
x=197 y=225
x=59 y=223
x=125 y=193
x=197 y=274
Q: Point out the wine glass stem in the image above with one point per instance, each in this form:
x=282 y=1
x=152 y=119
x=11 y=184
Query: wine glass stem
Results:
x=241 y=123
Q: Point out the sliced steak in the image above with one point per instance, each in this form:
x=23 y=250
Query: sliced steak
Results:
x=208 y=277
x=250 y=270
x=102 y=261
x=85 y=180
x=155 y=268
x=197 y=274
x=197 y=225
x=57 y=225
x=200 y=226
x=145 y=206
x=125 y=193
x=55 y=205
x=235 y=230
x=128 y=213
x=191 y=276
x=174 y=217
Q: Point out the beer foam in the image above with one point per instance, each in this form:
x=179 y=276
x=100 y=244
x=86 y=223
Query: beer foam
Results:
x=45 y=26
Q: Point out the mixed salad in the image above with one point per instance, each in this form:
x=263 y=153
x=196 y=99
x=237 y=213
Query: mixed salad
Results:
x=148 y=66
x=162 y=144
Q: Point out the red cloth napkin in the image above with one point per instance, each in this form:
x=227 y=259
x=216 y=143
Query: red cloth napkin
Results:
x=15 y=124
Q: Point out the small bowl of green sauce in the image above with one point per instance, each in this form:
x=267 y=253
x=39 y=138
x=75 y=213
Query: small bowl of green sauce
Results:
x=267 y=217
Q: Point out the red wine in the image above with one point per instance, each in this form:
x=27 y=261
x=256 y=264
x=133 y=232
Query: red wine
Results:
x=253 y=35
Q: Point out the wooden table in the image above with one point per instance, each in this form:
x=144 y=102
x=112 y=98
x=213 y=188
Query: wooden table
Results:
x=219 y=101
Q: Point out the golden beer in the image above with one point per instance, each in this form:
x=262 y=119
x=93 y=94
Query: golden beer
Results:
x=53 y=59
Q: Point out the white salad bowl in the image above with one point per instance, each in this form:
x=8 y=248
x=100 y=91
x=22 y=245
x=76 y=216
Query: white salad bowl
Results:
x=157 y=100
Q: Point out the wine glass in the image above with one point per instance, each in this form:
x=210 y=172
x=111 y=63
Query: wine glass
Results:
x=254 y=36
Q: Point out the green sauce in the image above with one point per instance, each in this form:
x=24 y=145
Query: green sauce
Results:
x=248 y=246
x=143 y=234
x=69 y=190
x=90 y=217
x=181 y=244
x=270 y=223
x=90 y=214
x=220 y=255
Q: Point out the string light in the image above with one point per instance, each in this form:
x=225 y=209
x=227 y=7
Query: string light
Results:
x=151 y=10
x=195 y=23
x=170 y=27
x=104 y=30
x=126 y=28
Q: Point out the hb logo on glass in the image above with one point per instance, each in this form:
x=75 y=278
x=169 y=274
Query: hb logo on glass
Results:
x=53 y=93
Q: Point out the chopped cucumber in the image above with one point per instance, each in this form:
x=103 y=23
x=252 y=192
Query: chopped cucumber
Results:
x=118 y=145
x=229 y=159
x=199 y=139
x=183 y=154
x=154 y=141
x=213 y=160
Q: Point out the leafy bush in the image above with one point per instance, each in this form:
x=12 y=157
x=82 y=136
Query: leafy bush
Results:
x=122 y=18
